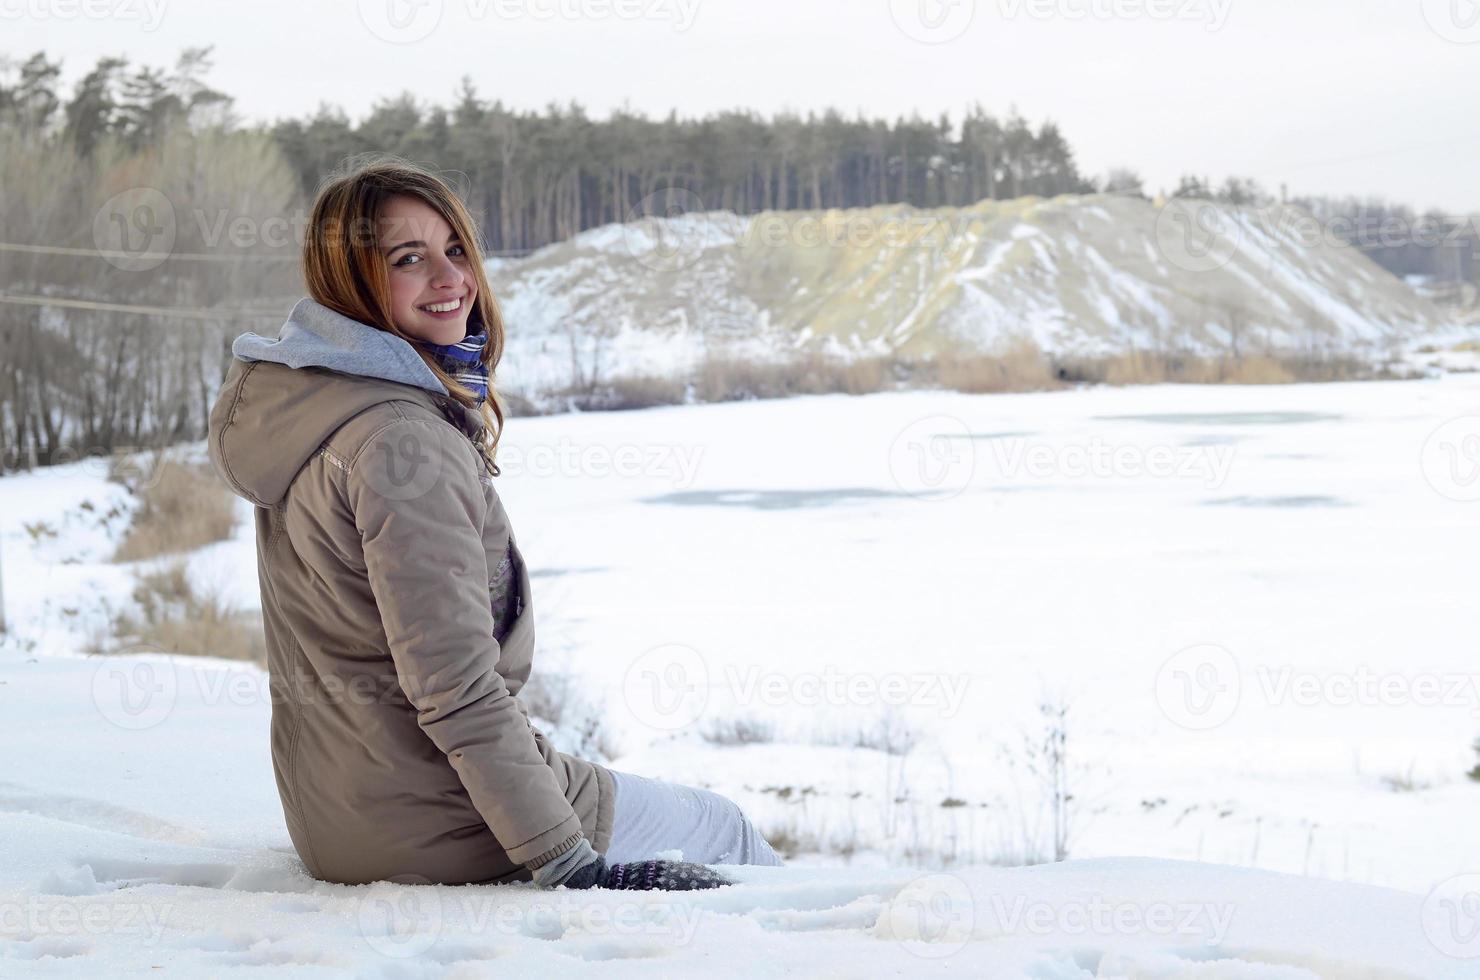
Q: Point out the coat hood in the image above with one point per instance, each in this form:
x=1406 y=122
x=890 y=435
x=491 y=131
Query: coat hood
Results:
x=283 y=398
x=316 y=336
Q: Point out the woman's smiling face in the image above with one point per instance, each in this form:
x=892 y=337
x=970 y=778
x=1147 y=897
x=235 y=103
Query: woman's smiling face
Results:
x=431 y=280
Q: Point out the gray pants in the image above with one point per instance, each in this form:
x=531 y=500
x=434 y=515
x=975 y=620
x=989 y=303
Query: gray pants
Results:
x=652 y=816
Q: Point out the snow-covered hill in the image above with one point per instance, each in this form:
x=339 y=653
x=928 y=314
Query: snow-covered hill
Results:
x=1085 y=275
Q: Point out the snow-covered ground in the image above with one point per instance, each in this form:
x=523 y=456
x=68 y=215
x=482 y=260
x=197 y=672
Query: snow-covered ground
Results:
x=1254 y=608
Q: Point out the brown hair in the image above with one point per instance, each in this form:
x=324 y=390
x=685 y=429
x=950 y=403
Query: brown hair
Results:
x=344 y=270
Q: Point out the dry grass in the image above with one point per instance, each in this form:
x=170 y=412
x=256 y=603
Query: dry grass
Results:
x=1403 y=782
x=890 y=732
x=643 y=391
x=1173 y=367
x=556 y=697
x=1018 y=367
x=181 y=507
x=1021 y=367
x=172 y=616
x=738 y=731
x=722 y=378
x=791 y=839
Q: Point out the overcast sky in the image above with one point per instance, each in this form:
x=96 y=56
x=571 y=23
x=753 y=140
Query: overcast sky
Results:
x=1326 y=96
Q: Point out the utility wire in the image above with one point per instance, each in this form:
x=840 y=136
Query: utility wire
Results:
x=170 y=311
x=106 y=253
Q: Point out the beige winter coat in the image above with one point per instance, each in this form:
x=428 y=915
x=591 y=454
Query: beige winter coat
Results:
x=399 y=742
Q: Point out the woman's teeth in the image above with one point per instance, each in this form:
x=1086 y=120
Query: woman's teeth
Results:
x=447 y=307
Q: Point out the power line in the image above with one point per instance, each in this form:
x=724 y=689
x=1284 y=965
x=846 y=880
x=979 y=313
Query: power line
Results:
x=106 y=253
x=1376 y=154
x=171 y=311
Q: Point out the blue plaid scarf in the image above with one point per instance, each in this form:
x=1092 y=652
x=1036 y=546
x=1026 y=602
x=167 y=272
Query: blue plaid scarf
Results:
x=464 y=361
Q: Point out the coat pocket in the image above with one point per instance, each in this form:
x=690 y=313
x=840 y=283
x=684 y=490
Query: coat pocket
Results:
x=504 y=599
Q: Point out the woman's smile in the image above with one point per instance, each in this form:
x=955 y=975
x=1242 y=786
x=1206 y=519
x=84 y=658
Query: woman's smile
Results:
x=448 y=309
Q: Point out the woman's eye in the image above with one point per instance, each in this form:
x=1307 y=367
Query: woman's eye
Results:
x=406 y=259
x=455 y=250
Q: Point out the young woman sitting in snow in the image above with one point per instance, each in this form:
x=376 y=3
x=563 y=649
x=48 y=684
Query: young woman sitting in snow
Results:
x=396 y=603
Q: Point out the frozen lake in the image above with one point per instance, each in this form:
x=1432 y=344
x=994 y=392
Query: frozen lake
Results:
x=1253 y=608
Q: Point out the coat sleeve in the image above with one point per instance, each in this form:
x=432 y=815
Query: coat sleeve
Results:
x=419 y=507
